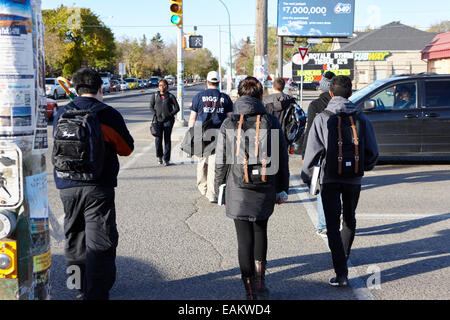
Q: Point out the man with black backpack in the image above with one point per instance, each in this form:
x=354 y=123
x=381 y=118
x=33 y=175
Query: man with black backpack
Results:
x=88 y=136
x=344 y=138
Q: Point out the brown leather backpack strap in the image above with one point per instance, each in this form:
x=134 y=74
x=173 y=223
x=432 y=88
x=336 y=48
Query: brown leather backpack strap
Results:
x=247 y=180
x=356 y=143
x=264 y=166
x=340 y=143
x=239 y=134
x=258 y=123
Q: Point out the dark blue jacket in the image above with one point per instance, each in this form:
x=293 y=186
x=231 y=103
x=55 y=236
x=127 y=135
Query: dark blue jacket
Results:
x=118 y=141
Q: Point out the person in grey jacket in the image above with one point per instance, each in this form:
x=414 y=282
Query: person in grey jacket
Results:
x=334 y=188
x=277 y=102
x=251 y=208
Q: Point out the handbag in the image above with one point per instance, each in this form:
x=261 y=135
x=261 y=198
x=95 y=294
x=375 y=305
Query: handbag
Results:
x=154 y=128
x=193 y=142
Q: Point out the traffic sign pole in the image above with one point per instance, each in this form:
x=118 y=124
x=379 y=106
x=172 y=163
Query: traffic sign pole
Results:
x=302 y=52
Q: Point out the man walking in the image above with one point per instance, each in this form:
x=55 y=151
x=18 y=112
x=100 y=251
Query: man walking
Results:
x=90 y=216
x=315 y=107
x=347 y=139
x=277 y=102
x=210 y=104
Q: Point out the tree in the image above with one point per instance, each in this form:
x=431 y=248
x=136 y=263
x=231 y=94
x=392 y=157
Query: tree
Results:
x=75 y=38
x=444 y=26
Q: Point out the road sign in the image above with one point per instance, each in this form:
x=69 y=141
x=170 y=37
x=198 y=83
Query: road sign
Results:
x=195 y=42
x=315 y=41
x=303 y=52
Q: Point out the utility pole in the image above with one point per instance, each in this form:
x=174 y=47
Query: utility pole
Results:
x=260 y=61
x=220 y=59
x=25 y=256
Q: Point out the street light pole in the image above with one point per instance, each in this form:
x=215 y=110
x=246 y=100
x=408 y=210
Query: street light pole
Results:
x=230 y=75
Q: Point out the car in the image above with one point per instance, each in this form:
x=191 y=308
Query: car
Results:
x=115 y=86
x=410 y=115
x=53 y=89
x=123 y=85
x=154 y=81
x=133 y=83
x=141 y=84
x=52 y=108
x=170 y=80
x=106 y=87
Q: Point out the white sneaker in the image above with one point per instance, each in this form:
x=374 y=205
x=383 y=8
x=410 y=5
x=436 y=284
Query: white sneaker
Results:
x=322 y=233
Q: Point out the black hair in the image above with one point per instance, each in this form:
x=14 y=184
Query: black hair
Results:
x=87 y=81
x=250 y=86
x=329 y=75
x=341 y=86
x=163 y=80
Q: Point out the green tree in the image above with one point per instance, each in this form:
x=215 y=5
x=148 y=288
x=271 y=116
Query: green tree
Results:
x=81 y=39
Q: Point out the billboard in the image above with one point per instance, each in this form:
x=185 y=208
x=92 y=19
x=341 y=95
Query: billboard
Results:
x=317 y=63
x=316 y=18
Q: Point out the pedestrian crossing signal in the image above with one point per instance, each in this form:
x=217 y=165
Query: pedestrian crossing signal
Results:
x=195 y=42
x=176 y=12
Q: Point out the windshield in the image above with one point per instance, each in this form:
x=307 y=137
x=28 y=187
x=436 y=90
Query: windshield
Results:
x=356 y=96
x=49 y=81
x=130 y=80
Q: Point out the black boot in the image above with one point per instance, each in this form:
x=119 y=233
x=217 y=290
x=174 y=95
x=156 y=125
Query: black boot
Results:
x=250 y=287
x=261 y=290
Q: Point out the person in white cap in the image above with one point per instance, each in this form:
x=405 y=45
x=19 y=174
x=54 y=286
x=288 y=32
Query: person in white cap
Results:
x=210 y=104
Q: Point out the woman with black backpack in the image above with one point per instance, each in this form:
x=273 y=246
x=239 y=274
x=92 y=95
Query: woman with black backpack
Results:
x=255 y=169
x=164 y=106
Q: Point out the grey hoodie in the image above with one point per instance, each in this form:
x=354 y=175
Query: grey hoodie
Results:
x=318 y=142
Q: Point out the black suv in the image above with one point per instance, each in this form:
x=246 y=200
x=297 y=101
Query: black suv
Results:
x=410 y=115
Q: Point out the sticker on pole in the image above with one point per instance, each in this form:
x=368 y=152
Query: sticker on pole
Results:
x=11 y=181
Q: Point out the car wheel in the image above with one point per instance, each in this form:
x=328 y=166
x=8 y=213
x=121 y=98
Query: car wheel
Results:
x=55 y=95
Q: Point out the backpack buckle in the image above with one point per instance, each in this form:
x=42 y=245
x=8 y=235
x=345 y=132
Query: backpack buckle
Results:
x=357 y=158
x=340 y=143
x=340 y=159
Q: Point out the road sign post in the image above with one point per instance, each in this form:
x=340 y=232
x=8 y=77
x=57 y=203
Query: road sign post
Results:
x=303 y=52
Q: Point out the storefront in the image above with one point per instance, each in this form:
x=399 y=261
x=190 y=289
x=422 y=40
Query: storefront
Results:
x=437 y=52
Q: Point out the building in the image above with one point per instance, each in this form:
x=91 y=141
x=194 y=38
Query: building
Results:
x=437 y=52
x=392 y=49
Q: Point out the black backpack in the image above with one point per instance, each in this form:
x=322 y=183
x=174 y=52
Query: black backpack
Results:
x=345 y=150
x=79 y=149
x=293 y=123
x=252 y=151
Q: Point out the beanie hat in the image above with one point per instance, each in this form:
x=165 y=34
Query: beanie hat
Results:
x=325 y=84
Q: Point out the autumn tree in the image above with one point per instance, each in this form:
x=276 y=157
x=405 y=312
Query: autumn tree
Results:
x=75 y=38
x=444 y=26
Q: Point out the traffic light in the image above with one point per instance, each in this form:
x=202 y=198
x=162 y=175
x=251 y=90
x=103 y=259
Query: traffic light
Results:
x=176 y=12
x=195 y=42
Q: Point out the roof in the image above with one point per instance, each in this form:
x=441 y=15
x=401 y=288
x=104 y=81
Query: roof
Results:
x=392 y=36
x=438 y=48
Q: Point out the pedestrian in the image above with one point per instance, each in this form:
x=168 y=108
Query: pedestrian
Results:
x=164 y=106
x=90 y=215
x=278 y=102
x=210 y=104
x=315 y=107
x=251 y=188
x=346 y=158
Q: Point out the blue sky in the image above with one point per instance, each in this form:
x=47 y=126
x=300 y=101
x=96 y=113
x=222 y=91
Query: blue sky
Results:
x=133 y=18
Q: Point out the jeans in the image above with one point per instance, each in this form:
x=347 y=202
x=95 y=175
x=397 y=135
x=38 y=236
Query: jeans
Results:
x=321 y=223
x=340 y=243
x=166 y=131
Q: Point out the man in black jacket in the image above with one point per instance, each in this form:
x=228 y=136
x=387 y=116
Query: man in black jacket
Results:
x=90 y=214
x=277 y=102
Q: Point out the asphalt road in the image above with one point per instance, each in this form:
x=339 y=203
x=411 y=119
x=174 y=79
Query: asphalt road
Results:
x=174 y=244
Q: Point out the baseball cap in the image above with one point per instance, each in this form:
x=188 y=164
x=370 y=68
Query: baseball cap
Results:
x=213 y=76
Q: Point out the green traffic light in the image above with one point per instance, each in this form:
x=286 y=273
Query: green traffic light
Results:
x=175 y=19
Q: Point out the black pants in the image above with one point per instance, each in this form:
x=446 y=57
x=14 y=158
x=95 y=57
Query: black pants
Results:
x=166 y=131
x=91 y=237
x=252 y=244
x=340 y=243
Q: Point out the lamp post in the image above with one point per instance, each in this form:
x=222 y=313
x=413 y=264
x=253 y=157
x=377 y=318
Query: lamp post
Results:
x=230 y=76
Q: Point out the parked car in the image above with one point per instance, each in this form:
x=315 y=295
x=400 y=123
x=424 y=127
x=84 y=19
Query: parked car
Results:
x=133 y=83
x=154 y=81
x=141 y=84
x=410 y=115
x=123 y=85
x=170 y=80
x=52 y=108
x=106 y=87
x=115 y=86
x=53 y=89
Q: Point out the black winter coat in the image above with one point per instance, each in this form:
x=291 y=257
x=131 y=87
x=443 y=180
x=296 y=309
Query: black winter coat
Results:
x=249 y=204
x=164 y=109
x=277 y=103
x=315 y=107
